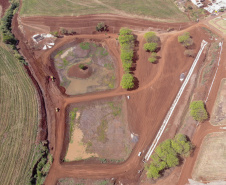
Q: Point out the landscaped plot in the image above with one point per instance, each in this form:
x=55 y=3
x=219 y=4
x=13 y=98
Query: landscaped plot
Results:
x=19 y=121
x=163 y=9
x=71 y=181
x=210 y=164
x=84 y=67
x=98 y=129
x=218 y=116
x=219 y=23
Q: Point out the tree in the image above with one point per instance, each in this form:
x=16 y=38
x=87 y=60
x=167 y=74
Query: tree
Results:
x=127 y=81
x=126 y=39
x=153 y=58
x=126 y=56
x=125 y=31
x=127 y=65
x=198 y=111
x=151 y=37
x=153 y=172
x=172 y=160
x=150 y=46
x=101 y=26
x=185 y=39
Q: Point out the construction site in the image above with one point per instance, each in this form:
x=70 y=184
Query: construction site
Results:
x=100 y=133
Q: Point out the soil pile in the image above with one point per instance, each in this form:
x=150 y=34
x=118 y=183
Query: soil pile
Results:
x=76 y=72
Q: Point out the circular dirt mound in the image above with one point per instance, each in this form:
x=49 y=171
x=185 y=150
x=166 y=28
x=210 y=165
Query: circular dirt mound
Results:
x=75 y=71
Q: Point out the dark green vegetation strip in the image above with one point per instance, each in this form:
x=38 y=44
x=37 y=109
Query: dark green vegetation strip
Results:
x=167 y=155
x=19 y=121
x=6 y=28
x=162 y=9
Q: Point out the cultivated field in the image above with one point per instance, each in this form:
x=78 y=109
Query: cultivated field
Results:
x=219 y=23
x=210 y=164
x=19 y=121
x=71 y=181
x=155 y=9
x=218 y=116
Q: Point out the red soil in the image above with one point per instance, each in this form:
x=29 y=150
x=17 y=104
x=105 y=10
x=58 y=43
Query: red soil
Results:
x=148 y=104
x=76 y=72
x=4 y=4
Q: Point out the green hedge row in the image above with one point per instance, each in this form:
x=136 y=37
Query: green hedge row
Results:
x=6 y=30
x=126 y=41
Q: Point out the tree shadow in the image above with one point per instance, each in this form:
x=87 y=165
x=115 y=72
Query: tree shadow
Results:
x=136 y=84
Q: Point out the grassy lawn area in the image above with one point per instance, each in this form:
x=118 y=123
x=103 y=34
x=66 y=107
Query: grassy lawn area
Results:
x=160 y=9
x=19 y=121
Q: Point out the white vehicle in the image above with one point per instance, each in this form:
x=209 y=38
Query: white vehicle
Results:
x=139 y=154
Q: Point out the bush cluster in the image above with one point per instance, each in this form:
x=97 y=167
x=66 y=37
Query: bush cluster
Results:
x=185 y=39
x=64 y=31
x=101 y=26
x=6 y=30
x=153 y=58
x=43 y=165
x=198 y=111
x=168 y=155
x=126 y=41
x=151 y=45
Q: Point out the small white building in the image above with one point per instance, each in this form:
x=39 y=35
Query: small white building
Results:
x=216 y=6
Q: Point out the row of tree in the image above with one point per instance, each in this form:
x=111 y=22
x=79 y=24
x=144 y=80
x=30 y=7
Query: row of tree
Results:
x=126 y=41
x=151 y=45
x=186 y=40
x=6 y=30
x=168 y=154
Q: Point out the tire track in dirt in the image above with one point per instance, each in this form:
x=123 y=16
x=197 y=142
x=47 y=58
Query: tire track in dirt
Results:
x=159 y=81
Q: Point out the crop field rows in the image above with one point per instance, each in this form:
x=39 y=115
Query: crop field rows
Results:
x=19 y=121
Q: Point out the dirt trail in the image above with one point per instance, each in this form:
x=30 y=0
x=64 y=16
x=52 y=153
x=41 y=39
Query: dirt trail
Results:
x=86 y=24
x=148 y=104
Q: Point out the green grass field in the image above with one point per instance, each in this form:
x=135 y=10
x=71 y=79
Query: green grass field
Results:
x=19 y=121
x=156 y=9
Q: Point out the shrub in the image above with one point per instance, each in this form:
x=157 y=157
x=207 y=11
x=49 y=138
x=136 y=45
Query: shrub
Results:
x=151 y=37
x=150 y=46
x=127 y=81
x=189 y=53
x=84 y=45
x=101 y=26
x=81 y=66
x=63 y=31
x=185 y=39
x=198 y=111
x=55 y=33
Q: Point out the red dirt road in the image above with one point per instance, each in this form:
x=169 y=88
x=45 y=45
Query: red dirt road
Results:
x=148 y=104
